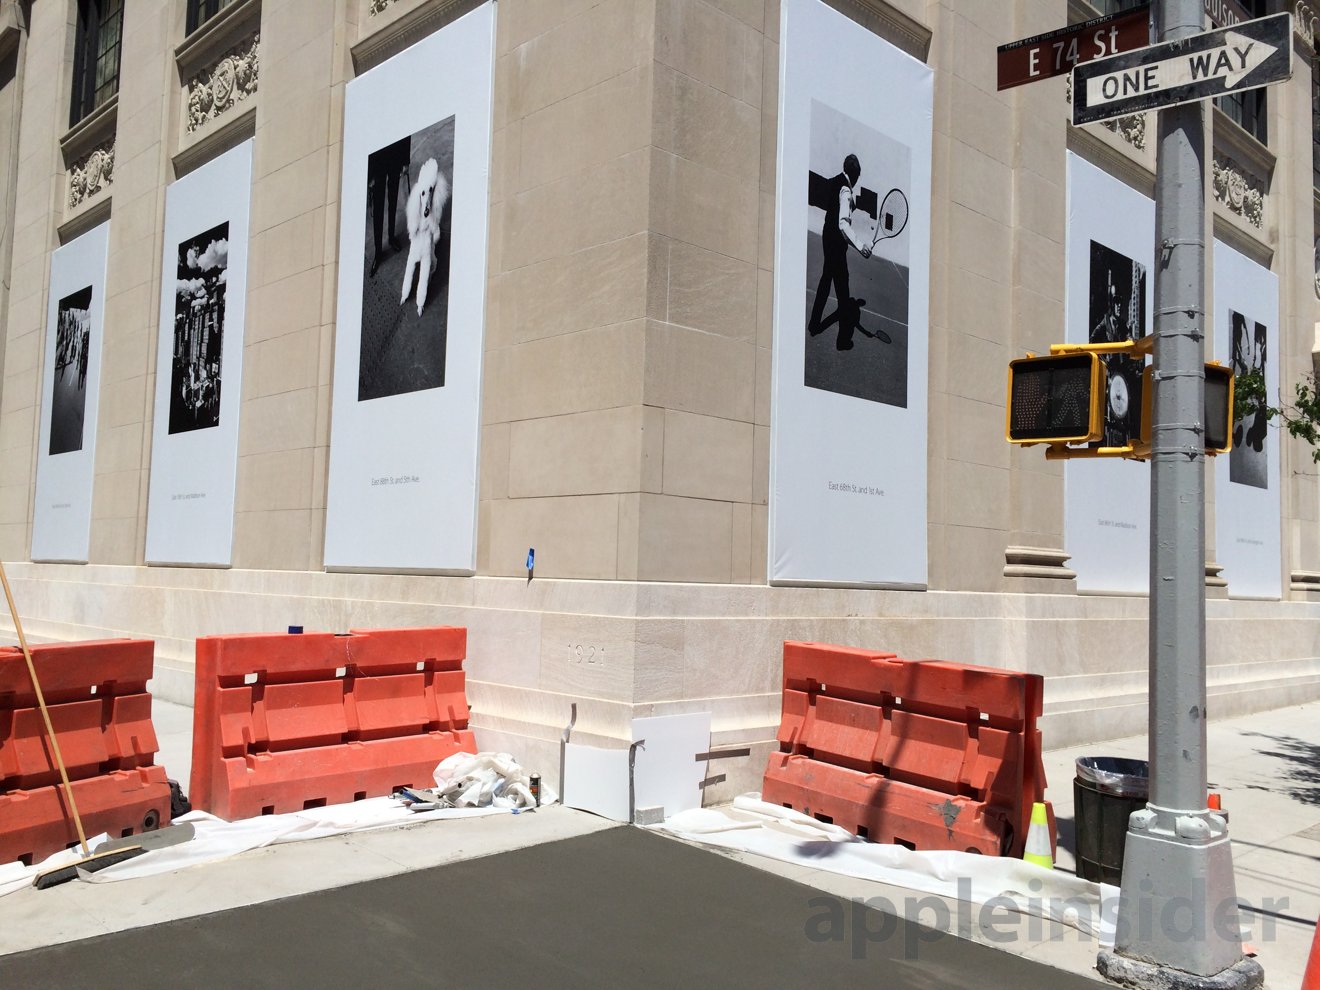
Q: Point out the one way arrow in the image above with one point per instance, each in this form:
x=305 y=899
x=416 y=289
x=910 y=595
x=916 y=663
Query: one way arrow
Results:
x=1251 y=54
x=1231 y=62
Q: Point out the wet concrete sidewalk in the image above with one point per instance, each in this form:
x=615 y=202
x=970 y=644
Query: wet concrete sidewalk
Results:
x=617 y=908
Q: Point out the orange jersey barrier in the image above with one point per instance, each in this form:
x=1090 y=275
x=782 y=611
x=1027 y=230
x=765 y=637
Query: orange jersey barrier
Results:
x=924 y=753
x=101 y=711
x=287 y=722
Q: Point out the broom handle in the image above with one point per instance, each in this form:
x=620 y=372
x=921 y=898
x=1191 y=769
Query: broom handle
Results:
x=45 y=713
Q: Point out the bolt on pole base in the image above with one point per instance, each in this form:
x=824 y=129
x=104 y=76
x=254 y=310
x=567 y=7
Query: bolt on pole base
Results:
x=1179 y=906
x=1246 y=974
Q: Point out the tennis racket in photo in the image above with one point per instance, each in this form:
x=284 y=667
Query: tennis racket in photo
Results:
x=892 y=218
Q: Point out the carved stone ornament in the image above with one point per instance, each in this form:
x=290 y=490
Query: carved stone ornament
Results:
x=378 y=6
x=92 y=173
x=1306 y=14
x=1131 y=128
x=1238 y=191
x=219 y=87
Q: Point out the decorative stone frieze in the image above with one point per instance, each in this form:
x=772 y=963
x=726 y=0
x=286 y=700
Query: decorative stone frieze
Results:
x=1131 y=129
x=378 y=6
x=1240 y=192
x=1306 y=14
x=228 y=81
x=92 y=173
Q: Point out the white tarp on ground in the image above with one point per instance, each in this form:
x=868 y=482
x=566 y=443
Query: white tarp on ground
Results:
x=217 y=839
x=492 y=782
x=753 y=826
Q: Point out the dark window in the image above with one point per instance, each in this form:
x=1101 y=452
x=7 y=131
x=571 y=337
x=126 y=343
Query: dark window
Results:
x=1114 y=6
x=96 y=55
x=1247 y=107
x=1315 y=120
x=201 y=11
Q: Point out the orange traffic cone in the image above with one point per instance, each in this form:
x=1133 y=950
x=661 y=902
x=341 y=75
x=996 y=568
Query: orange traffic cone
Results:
x=1311 y=981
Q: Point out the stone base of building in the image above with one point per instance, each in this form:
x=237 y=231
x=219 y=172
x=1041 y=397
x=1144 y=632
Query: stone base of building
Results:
x=621 y=650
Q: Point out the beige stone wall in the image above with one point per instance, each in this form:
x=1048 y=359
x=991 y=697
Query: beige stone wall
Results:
x=626 y=393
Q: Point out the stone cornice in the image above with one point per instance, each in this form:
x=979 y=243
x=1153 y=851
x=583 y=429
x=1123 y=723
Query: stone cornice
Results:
x=394 y=32
x=893 y=25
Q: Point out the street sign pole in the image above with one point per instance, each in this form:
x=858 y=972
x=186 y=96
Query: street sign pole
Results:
x=1177 y=922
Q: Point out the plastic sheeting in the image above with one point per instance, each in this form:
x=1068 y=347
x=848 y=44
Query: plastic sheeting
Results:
x=217 y=839
x=751 y=825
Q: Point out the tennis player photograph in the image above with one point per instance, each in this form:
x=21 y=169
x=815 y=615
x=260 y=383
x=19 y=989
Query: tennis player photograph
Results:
x=405 y=268
x=857 y=260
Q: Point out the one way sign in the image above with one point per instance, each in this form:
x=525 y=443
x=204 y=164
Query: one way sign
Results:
x=1245 y=56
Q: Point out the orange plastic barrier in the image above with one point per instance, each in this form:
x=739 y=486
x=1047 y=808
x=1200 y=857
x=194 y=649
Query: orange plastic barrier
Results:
x=287 y=722
x=99 y=706
x=924 y=753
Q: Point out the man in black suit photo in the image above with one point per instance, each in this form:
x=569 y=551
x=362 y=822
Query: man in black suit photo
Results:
x=836 y=234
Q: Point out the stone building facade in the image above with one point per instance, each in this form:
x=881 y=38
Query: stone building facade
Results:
x=626 y=392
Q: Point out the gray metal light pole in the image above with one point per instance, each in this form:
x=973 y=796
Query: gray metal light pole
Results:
x=1178 y=919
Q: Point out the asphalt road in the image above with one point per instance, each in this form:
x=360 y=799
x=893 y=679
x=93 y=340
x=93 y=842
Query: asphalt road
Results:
x=619 y=908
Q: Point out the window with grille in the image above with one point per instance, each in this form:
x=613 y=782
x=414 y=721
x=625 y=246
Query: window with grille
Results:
x=97 y=47
x=201 y=11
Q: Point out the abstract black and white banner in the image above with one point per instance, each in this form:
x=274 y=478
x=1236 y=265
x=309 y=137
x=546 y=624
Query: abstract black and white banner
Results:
x=70 y=397
x=411 y=315
x=199 y=363
x=852 y=250
x=1248 y=538
x=1108 y=298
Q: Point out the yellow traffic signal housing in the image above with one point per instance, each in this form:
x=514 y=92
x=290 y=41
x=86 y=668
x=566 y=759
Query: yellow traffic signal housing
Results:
x=1216 y=414
x=1056 y=398
x=1218 y=408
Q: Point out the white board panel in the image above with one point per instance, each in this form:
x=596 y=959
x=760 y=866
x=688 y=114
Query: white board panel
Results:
x=411 y=315
x=199 y=363
x=70 y=398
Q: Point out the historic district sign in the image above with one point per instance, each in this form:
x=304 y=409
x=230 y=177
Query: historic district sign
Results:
x=1057 y=52
x=1245 y=56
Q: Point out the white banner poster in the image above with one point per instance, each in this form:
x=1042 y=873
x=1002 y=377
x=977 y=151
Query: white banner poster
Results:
x=412 y=290
x=1109 y=297
x=199 y=364
x=70 y=396
x=1247 y=478
x=852 y=276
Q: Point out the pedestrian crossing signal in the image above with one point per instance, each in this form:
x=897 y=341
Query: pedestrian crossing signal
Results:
x=1056 y=398
x=1218 y=409
x=1216 y=413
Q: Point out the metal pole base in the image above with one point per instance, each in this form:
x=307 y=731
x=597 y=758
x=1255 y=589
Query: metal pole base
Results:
x=1245 y=974
x=1178 y=920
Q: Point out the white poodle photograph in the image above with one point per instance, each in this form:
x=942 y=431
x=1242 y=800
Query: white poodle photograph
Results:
x=405 y=270
x=426 y=202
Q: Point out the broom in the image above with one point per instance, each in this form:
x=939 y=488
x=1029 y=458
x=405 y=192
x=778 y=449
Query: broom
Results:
x=90 y=863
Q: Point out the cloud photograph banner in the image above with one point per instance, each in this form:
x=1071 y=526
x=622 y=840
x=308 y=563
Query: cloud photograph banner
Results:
x=199 y=363
x=70 y=398
x=852 y=276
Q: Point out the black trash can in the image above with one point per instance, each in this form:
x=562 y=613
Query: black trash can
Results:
x=1106 y=790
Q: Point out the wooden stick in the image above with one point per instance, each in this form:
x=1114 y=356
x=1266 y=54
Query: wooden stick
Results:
x=45 y=713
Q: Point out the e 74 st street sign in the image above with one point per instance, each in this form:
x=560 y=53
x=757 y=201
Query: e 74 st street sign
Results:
x=1245 y=56
x=1056 y=52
